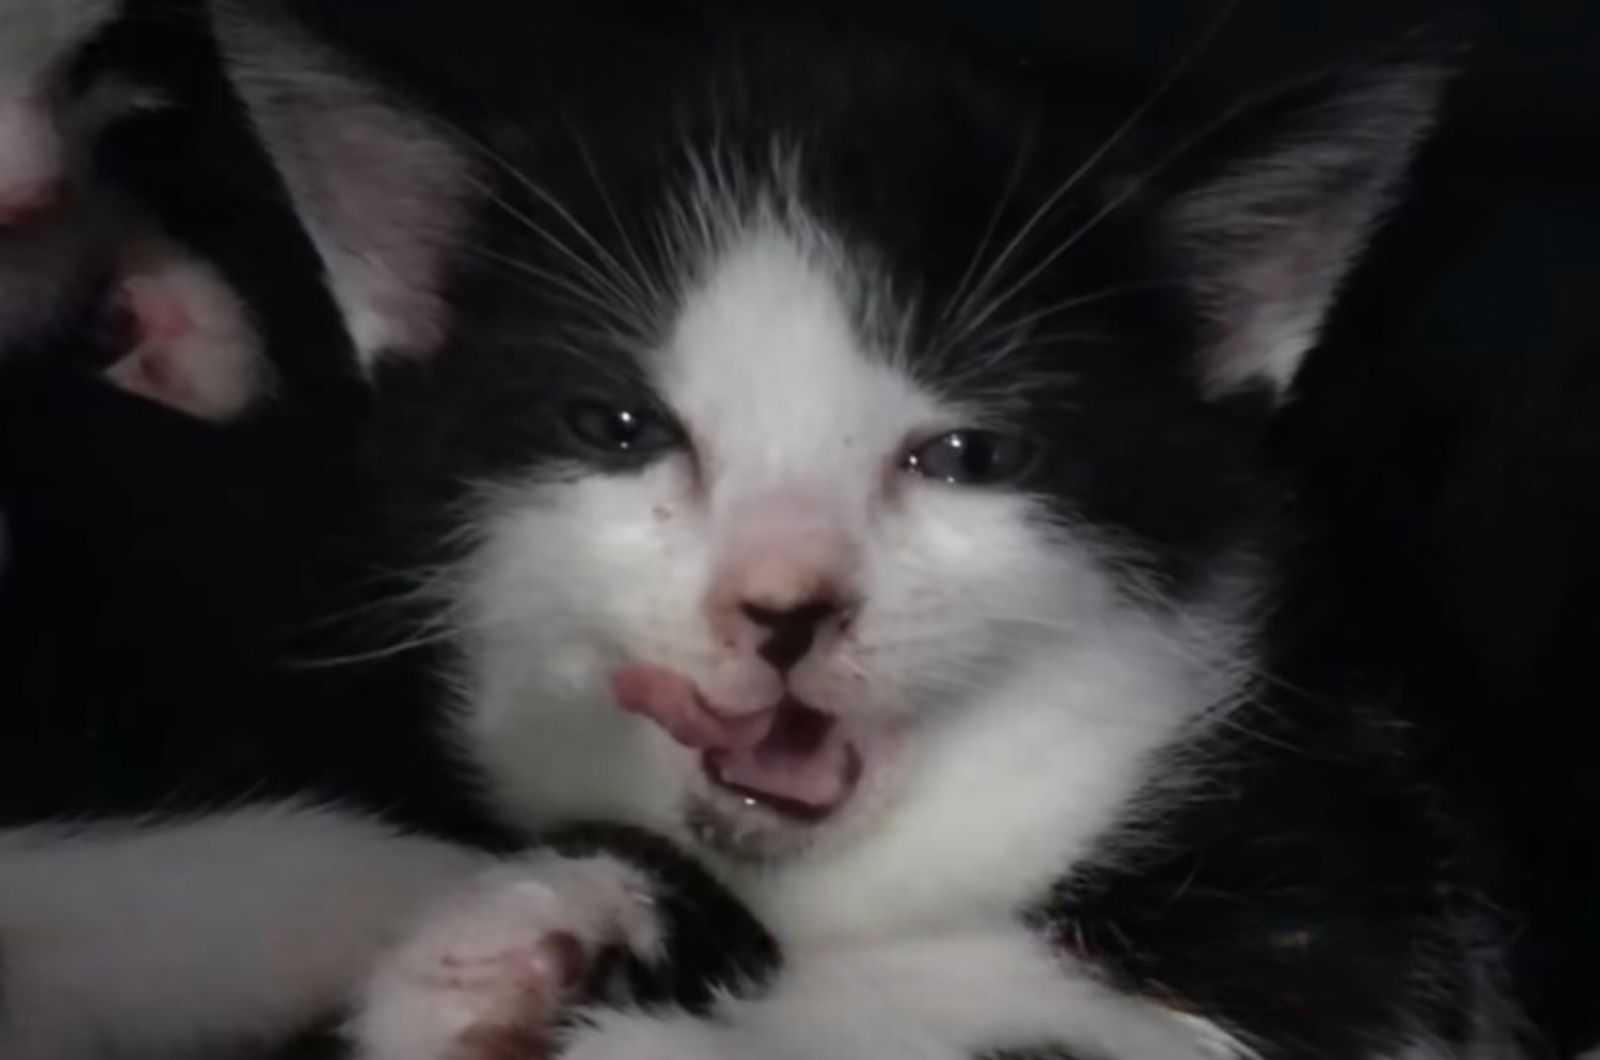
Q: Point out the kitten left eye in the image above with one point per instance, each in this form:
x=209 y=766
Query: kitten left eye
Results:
x=632 y=432
x=971 y=458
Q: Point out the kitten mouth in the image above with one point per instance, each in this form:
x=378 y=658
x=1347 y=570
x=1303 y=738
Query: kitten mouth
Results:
x=802 y=768
x=790 y=759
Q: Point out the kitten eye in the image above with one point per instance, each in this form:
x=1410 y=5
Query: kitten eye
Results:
x=971 y=458
x=632 y=432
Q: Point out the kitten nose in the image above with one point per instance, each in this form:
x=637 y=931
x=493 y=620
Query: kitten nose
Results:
x=793 y=629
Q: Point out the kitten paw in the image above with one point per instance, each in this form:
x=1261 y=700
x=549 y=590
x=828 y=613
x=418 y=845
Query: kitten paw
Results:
x=487 y=975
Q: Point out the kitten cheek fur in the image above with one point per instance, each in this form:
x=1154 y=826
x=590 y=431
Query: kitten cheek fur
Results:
x=789 y=262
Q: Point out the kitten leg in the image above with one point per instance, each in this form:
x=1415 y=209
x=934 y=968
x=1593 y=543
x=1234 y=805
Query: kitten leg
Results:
x=159 y=937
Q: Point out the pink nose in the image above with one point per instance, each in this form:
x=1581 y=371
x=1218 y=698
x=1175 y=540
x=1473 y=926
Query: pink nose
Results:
x=26 y=202
x=780 y=599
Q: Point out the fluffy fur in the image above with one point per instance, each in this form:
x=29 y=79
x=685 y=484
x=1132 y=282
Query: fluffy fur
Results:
x=184 y=933
x=803 y=277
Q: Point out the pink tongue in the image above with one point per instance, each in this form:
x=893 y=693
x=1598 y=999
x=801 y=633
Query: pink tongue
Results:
x=670 y=700
x=815 y=776
x=792 y=757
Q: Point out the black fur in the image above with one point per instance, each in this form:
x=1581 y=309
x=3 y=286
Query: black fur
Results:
x=1272 y=899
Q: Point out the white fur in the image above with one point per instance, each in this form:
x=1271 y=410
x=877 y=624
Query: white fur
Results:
x=475 y=968
x=178 y=935
x=942 y=996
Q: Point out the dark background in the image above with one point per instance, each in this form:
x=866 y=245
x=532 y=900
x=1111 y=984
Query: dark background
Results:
x=168 y=580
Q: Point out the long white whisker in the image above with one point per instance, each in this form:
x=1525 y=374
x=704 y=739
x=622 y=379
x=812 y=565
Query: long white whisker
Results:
x=1120 y=133
x=586 y=298
x=604 y=288
x=1029 y=320
x=957 y=304
x=328 y=662
x=647 y=290
x=1134 y=187
x=618 y=279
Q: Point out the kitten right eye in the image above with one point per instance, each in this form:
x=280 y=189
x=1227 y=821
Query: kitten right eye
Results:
x=971 y=457
x=630 y=433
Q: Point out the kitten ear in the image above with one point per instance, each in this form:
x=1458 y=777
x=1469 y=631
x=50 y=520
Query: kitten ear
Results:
x=193 y=348
x=1265 y=238
x=383 y=192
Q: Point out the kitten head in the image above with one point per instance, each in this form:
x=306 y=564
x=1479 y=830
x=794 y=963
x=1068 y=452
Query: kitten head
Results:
x=817 y=445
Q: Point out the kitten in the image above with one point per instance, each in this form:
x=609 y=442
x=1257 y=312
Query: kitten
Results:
x=181 y=336
x=820 y=461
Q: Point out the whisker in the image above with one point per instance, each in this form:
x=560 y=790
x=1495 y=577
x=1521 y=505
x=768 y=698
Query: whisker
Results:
x=604 y=288
x=619 y=279
x=957 y=304
x=329 y=662
x=587 y=300
x=1137 y=185
x=647 y=288
x=1105 y=294
x=1118 y=135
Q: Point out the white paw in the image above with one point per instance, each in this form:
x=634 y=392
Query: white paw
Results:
x=487 y=972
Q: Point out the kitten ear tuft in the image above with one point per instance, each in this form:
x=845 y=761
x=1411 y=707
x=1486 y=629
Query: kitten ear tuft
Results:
x=1266 y=238
x=384 y=194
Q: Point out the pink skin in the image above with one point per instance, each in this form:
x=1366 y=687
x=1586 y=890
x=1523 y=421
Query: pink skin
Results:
x=161 y=316
x=671 y=701
x=22 y=204
x=790 y=757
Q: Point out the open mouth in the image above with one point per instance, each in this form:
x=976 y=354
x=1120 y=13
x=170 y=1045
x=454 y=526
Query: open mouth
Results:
x=790 y=759
x=803 y=768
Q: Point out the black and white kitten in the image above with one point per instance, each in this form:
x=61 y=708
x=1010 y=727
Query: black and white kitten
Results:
x=813 y=456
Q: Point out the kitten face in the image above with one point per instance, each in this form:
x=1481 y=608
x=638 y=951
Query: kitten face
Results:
x=821 y=456
x=799 y=557
x=777 y=483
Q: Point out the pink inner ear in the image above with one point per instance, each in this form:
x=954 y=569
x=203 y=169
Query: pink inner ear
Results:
x=160 y=315
x=153 y=369
x=151 y=373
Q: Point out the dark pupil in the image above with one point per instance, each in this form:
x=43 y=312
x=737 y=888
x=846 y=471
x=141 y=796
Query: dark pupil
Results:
x=970 y=455
x=623 y=427
x=612 y=427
